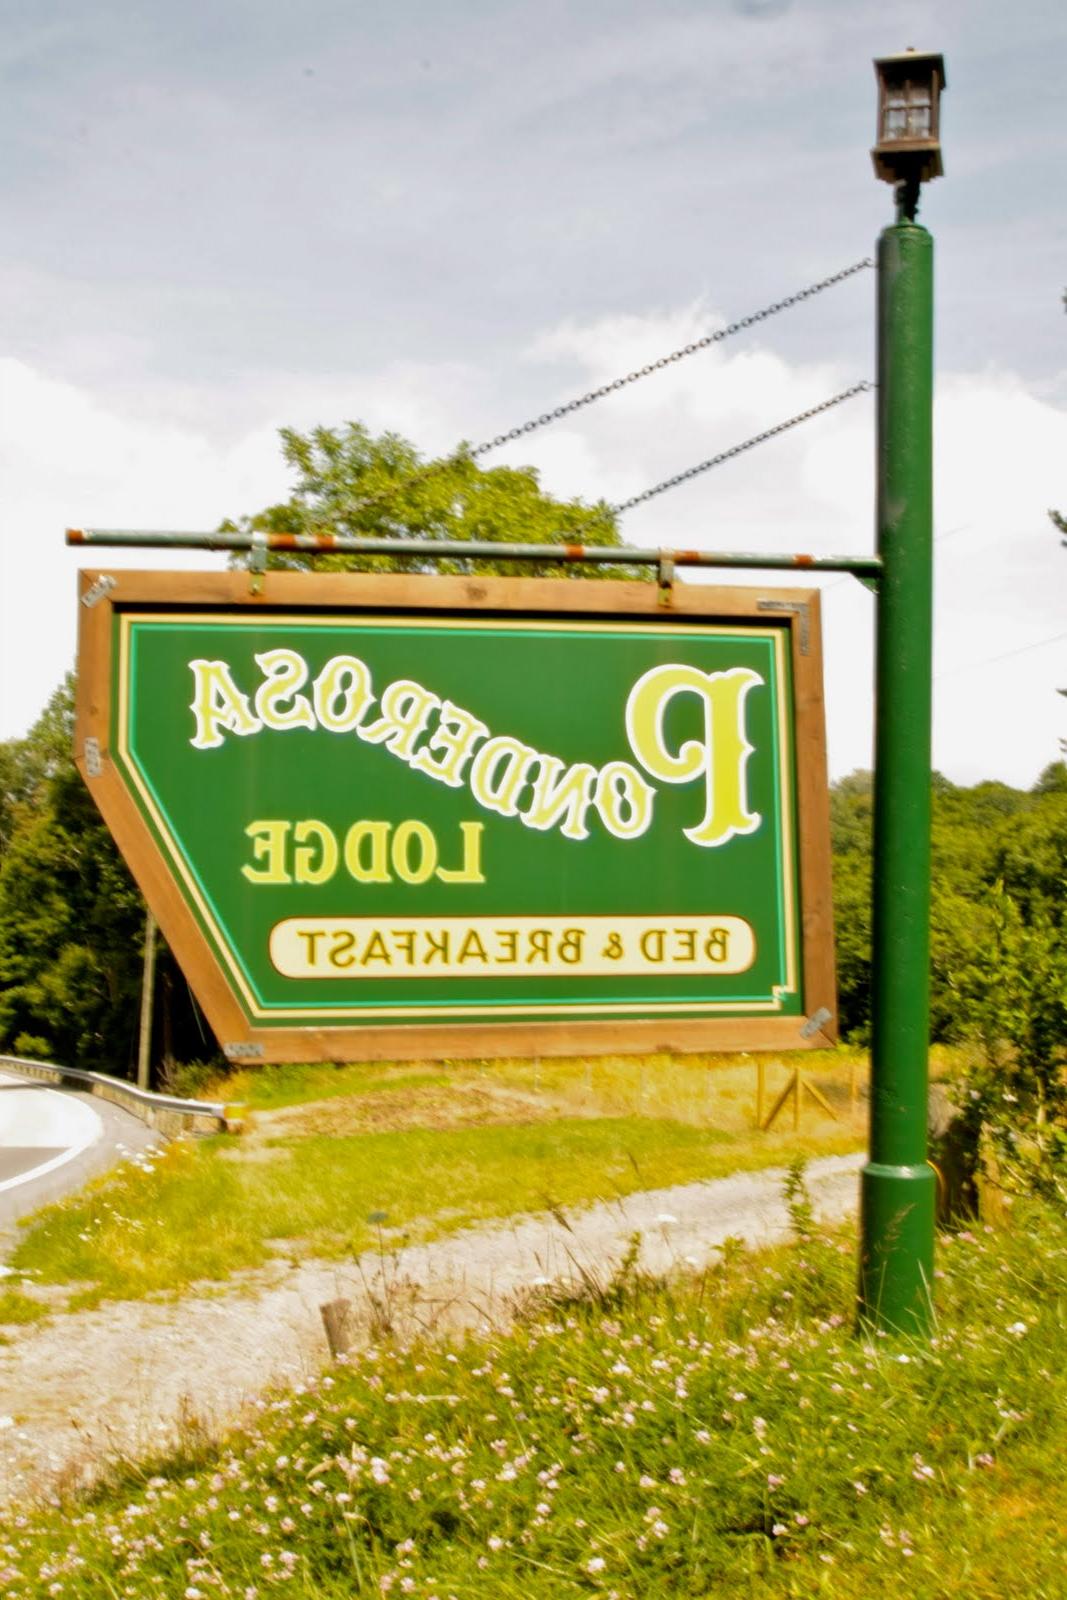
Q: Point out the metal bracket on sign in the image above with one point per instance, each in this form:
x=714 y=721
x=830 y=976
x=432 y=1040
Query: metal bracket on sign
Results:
x=815 y=1022
x=257 y=562
x=800 y=610
x=103 y=586
x=243 y=1050
x=94 y=761
x=665 y=579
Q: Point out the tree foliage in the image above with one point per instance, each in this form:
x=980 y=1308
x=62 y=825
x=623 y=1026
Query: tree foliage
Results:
x=350 y=482
x=70 y=915
x=999 y=912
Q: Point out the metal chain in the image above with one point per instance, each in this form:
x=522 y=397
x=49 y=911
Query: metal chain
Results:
x=738 y=449
x=666 y=361
x=434 y=467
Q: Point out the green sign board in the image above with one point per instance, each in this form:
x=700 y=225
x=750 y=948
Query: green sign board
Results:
x=385 y=820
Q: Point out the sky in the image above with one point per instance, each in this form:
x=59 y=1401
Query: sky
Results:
x=230 y=216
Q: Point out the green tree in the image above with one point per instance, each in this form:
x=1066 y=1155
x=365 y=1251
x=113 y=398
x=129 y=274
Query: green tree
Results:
x=70 y=915
x=350 y=482
x=851 y=807
x=982 y=836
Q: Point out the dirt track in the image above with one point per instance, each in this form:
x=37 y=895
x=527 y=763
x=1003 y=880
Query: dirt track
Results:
x=126 y=1379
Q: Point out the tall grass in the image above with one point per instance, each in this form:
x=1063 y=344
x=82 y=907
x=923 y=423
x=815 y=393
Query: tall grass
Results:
x=711 y=1436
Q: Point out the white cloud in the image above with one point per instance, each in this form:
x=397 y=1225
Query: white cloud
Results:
x=67 y=460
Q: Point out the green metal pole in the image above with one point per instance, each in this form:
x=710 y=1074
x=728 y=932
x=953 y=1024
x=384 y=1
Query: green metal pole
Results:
x=898 y=1192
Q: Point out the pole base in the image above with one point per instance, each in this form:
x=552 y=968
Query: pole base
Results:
x=897 y=1207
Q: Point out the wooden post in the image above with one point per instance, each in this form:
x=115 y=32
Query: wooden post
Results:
x=337 y=1320
x=797 y=1085
x=148 y=984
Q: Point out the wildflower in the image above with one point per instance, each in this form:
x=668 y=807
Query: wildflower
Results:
x=1018 y=1328
x=778 y=1529
x=774 y=1480
x=646 y=1481
x=676 y=1475
x=595 y=1564
x=860 y=1488
x=495 y=1542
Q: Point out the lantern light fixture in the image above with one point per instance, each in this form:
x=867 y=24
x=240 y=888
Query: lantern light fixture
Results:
x=908 y=151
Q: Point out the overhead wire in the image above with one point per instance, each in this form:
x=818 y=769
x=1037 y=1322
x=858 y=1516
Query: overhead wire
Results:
x=521 y=430
x=1005 y=655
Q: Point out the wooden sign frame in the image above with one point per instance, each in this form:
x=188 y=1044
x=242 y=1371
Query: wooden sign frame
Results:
x=106 y=596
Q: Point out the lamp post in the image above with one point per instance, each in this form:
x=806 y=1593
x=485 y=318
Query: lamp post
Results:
x=897 y=1190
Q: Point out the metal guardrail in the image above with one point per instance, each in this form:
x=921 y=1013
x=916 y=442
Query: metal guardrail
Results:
x=169 y=1114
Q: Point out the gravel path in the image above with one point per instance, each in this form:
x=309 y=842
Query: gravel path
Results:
x=126 y=1380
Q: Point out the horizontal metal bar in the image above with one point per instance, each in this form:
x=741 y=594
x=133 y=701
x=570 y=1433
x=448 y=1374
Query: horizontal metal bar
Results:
x=480 y=549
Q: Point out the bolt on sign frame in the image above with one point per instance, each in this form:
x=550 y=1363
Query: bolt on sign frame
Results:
x=383 y=816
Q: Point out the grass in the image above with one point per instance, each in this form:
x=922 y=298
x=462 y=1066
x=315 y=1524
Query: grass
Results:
x=333 y=1148
x=714 y=1435
x=17 y=1309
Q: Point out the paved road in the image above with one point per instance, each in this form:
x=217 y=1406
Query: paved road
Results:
x=52 y=1140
